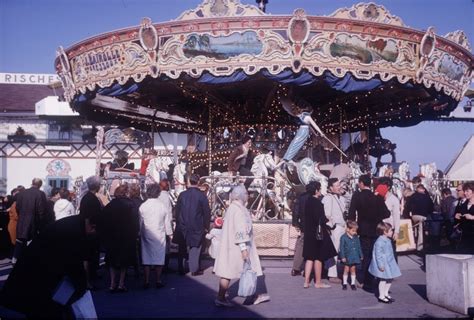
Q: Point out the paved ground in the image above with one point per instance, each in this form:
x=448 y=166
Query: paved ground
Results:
x=186 y=296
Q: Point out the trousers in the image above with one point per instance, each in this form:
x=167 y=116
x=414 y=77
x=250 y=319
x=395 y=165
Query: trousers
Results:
x=367 y=246
x=336 y=239
x=420 y=220
x=298 y=260
x=297 y=143
x=194 y=255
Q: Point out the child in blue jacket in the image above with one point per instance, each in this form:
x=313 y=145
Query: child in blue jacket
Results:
x=383 y=265
x=350 y=253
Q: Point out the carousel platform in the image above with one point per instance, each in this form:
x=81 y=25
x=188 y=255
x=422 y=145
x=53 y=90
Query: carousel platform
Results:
x=275 y=238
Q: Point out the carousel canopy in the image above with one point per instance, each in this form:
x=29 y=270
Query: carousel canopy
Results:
x=230 y=63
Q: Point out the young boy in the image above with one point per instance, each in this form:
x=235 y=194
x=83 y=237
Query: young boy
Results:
x=350 y=253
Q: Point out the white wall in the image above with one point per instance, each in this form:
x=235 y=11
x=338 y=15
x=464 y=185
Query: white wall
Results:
x=20 y=171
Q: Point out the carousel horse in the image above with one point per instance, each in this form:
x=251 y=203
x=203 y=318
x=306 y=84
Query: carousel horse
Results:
x=219 y=187
x=260 y=168
x=378 y=147
x=432 y=179
x=156 y=169
x=356 y=172
x=428 y=173
x=295 y=174
x=400 y=179
x=179 y=173
x=403 y=171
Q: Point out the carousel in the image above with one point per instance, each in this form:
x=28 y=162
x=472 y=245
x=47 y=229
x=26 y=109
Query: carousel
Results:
x=310 y=91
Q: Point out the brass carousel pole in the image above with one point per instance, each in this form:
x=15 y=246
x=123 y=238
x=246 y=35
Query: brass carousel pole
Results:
x=368 y=146
x=209 y=144
x=340 y=133
x=99 y=148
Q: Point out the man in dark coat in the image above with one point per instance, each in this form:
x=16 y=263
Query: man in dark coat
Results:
x=56 y=252
x=31 y=208
x=368 y=210
x=447 y=205
x=193 y=217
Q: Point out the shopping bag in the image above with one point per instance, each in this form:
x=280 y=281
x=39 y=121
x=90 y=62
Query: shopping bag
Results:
x=84 y=307
x=248 y=281
x=63 y=291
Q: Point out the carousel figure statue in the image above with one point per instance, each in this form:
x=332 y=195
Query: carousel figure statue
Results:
x=302 y=134
x=306 y=124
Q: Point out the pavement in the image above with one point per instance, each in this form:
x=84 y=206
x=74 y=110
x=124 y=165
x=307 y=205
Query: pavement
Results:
x=193 y=297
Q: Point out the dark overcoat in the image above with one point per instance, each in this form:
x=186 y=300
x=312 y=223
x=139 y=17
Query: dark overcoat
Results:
x=118 y=231
x=31 y=208
x=56 y=252
x=314 y=249
x=368 y=210
x=193 y=216
x=90 y=207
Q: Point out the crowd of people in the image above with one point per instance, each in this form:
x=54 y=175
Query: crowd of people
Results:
x=136 y=230
x=365 y=235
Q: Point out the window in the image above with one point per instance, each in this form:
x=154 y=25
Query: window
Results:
x=60 y=132
x=58 y=182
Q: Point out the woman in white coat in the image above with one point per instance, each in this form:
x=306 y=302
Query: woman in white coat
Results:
x=155 y=225
x=237 y=245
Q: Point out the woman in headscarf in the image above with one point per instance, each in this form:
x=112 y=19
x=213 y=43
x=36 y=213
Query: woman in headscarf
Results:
x=237 y=246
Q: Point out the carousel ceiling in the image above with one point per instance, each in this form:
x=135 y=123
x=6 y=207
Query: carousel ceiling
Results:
x=230 y=63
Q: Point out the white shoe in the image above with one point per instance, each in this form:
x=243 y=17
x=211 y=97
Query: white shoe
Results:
x=262 y=298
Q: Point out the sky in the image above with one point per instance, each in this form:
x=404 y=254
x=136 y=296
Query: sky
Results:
x=32 y=30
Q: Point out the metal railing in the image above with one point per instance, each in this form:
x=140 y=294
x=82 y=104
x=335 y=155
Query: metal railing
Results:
x=267 y=196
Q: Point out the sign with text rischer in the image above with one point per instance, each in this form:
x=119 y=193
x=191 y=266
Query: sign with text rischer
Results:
x=28 y=78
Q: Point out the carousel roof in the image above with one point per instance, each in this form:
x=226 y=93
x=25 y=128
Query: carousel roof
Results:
x=358 y=67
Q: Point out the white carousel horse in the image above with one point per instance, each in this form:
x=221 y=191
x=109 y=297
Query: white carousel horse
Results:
x=428 y=170
x=403 y=171
x=261 y=164
x=400 y=179
x=356 y=172
x=431 y=180
x=429 y=173
x=178 y=177
x=308 y=170
x=383 y=170
x=156 y=170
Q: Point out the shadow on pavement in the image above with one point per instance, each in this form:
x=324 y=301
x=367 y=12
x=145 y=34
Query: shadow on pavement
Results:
x=183 y=296
x=420 y=289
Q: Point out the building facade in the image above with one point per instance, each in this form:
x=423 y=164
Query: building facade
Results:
x=41 y=136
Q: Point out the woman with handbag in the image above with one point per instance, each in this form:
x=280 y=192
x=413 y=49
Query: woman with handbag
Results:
x=318 y=246
x=237 y=247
